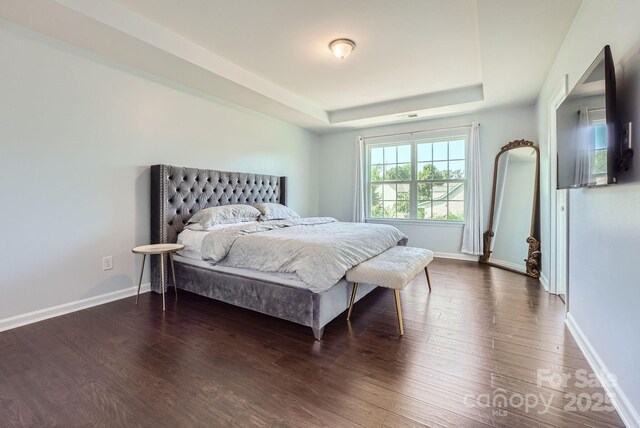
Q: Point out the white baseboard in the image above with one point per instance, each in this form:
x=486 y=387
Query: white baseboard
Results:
x=456 y=256
x=544 y=281
x=517 y=267
x=618 y=398
x=43 y=314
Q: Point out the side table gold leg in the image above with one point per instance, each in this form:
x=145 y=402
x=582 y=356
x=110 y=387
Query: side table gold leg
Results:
x=144 y=257
x=173 y=271
x=162 y=283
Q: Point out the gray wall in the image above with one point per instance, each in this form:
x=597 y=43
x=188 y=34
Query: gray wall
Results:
x=604 y=284
x=338 y=157
x=78 y=134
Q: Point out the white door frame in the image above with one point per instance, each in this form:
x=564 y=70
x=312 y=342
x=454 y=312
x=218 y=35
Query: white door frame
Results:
x=553 y=245
x=562 y=245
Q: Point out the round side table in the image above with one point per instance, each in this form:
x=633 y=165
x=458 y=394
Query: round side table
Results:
x=162 y=250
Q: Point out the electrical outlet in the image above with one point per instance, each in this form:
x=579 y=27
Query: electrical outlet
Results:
x=107 y=263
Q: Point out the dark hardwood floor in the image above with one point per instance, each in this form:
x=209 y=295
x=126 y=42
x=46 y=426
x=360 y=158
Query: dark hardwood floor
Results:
x=478 y=340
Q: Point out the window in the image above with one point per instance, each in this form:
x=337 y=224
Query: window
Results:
x=421 y=179
x=598 y=123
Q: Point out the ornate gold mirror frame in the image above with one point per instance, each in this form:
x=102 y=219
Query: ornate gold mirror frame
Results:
x=533 y=257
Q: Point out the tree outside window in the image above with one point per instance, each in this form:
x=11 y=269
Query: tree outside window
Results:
x=435 y=192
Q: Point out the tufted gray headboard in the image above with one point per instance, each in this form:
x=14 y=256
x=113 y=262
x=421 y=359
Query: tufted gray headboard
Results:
x=177 y=193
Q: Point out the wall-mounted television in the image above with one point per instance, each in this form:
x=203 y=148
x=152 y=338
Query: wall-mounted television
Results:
x=588 y=129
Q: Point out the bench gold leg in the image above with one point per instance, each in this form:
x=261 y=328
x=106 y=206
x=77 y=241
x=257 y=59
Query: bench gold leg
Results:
x=399 y=311
x=353 y=299
x=426 y=271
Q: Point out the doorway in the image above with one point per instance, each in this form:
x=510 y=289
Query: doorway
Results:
x=558 y=238
x=562 y=243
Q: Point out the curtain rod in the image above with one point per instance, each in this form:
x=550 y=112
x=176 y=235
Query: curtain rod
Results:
x=417 y=132
x=593 y=109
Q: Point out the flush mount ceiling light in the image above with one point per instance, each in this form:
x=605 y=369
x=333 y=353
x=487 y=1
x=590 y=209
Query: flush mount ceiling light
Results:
x=341 y=48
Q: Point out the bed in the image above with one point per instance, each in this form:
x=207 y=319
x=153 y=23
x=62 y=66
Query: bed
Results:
x=178 y=193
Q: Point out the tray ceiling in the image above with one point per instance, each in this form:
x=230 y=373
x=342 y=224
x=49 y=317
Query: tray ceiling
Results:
x=422 y=57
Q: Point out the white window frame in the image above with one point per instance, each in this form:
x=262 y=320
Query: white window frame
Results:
x=413 y=140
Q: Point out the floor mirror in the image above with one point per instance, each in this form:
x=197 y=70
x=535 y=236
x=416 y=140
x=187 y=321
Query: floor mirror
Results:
x=512 y=241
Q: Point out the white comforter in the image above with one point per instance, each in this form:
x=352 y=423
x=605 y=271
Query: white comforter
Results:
x=319 y=249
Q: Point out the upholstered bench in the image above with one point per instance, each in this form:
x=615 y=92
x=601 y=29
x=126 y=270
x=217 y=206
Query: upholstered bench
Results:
x=394 y=268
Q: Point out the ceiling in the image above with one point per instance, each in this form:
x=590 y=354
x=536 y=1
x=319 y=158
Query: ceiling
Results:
x=403 y=48
x=413 y=57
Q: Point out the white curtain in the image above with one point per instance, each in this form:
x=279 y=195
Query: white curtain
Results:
x=583 y=175
x=501 y=183
x=358 y=200
x=473 y=218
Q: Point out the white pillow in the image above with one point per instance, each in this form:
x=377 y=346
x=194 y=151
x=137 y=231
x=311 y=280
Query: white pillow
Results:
x=271 y=211
x=225 y=214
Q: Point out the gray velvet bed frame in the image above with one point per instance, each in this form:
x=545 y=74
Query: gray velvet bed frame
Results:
x=177 y=193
